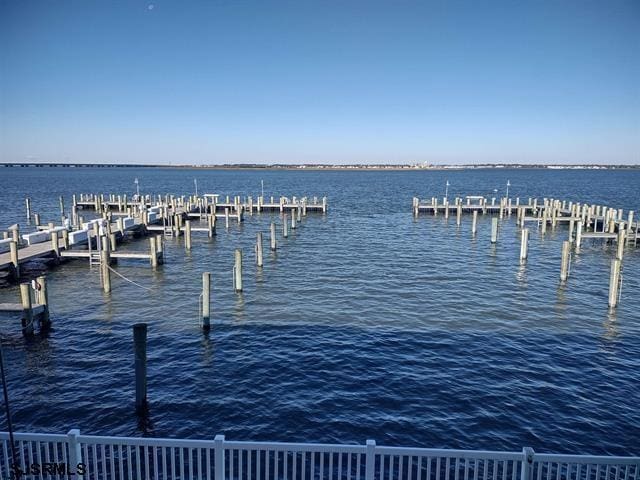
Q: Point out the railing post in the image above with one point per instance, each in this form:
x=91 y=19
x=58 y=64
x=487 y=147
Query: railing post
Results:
x=527 y=463
x=219 y=457
x=75 y=452
x=371 y=460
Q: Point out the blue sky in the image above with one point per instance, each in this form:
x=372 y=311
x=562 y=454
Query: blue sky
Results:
x=320 y=82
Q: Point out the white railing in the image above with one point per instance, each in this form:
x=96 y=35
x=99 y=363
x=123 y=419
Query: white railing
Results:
x=128 y=458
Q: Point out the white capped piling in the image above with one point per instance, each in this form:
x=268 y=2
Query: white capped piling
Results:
x=187 y=234
x=474 y=223
x=106 y=272
x=28 y=202
x=494 y=229
x=285 y=226
x=140 y=365
x=273 y=236
x=259 y=262
x=27 y=308
x=566 y=258
x=153 y=250
x=206 y=300
x=43 y=299
x=614 y=283
x=622 y=234
x=237 y=271
x=524 y=243
x=13 y=254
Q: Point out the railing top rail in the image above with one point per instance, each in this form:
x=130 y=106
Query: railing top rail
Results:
x=35 y=437
x=439 y=452
x=147 y=441
x=586 y=459
x=299 y=447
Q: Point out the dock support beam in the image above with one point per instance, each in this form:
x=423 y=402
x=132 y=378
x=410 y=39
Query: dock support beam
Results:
x=206 y=301
x=140 y=355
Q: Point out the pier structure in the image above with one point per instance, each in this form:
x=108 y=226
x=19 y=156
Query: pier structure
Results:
x=583 y=221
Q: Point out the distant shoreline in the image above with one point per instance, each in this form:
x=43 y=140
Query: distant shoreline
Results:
x=319 y=167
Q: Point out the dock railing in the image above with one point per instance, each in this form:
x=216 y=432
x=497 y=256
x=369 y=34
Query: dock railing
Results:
x=99 y=457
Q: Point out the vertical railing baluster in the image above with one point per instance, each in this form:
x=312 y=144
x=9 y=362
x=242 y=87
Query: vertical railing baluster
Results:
x=219 y=457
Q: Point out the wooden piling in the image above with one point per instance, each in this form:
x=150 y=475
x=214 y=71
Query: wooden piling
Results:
x=206 y=300
x=226 y=217
x=273 y=236
x=237 y=271
x=211 y=224
x=36 y=219
x=614 y=282
x=285 y=226
x=113 y=244
x=43 y=299
x=61 y=205
x=494 y=230
x=153 y=250
x=459 y=214
x=28 y=202
x=621 y=240
x=13 y=253
x=259 y=262
x=564 y=263
x=524 y=244
x=187 y=234
x=474 y=223
x=106 y=272
x=140 y=359
x=27 y=308
x=578 y=236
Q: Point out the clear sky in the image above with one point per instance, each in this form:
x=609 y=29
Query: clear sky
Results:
x=320 y=82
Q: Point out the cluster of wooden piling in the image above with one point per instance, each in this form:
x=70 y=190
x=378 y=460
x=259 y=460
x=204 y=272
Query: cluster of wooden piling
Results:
x=584 y=221
x=296 y=214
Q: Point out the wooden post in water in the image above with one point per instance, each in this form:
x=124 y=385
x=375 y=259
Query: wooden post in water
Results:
x=578 y=236
x=226 y=217
x=113 y=244
x=206 y=300
x=273 y=236
x=237 y=271
x=28 y=202
x=293 y=220
x=140 y=365
x=285 y=226
x=13 y=253
x=459 y=214
x=564 y=264
x=524 y=244
x=187 y=234
x=43 y=299
x=36 y=219
x=259 y=249
x=299 y=214
x=614 y=282
x=54 y=243
x=27 y=310
x=474 y=223
x=153 y=250
x=106 y=273
x=61 y=205
x=494 y=229
x=622 y=234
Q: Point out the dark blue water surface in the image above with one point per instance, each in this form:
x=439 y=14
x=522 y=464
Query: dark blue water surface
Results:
x=366 y=323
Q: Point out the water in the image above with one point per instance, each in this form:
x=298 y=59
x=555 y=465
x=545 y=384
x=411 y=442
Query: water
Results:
x=366 y=323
